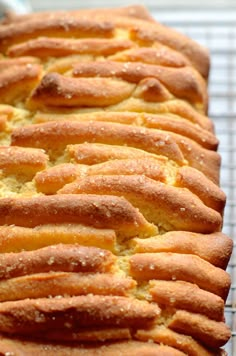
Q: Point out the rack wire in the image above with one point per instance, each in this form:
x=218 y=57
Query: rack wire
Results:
x=215 y=28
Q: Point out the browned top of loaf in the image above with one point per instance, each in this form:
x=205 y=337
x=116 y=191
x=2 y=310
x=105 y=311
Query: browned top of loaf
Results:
x=133 y=19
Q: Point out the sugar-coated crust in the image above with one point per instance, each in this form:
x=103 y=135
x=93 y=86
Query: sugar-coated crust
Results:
x=175 y=266
x=182 y=82
x=140 y=30
x=179 y=295
x=17 y=81
x=187 y=344
x=41 y=315
x=215 y=248
x=159 y=55
x=51 y=180
x=60 y=134
x=154 y=200
x=204 y=160
x=197 y=182
x=110 y=205
x=22 y=160
x=58 y=90
x=96 y=210
x=162 y=121
x=95 y=153
x=134 y=348
x=55 y=284
x=57 y=47
x=17 y=238
x=206 y=331
x=197 y=55
x=64 y=258
x=176 y=107
x=57 y=135
x=53 y=27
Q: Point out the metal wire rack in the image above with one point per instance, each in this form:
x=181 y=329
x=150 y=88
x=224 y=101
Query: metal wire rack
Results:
x=214 y=27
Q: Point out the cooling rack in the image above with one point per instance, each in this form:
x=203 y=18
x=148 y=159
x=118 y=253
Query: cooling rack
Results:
x=212 y=24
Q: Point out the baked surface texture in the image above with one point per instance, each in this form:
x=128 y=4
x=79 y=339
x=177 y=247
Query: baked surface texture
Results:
x=110 y=206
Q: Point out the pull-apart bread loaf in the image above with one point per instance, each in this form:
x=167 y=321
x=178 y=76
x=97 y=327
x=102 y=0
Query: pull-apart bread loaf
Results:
x=110 y=206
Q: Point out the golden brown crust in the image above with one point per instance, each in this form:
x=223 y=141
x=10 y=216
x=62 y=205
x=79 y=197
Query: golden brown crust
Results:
x=16 y=238
x=148 y=34
x=215 y=248
x=57 y=90
x=41 y=315
x=159 y=55
x=172 y=110
x=177 y=107
x=182 y=82
x=203 y=160
x=162 y=122
x=152 y=168
x=51 y=180
x=204 y=188
x=54 y=178
x=209 y=332
x=65 y=284
x=179 y=295
x=6 y=114
x=176 y=266
x=151 y=90
x=92 y=210
x=25 y=161
x=203 y=137
x=132 y=20
x=134 y=348
x=185 y=343
x=166 y=206
x=57 y=47
x=53 y=27
x=95 y=153
x=18 y=81
x=6 y=62
x=57 y=135
x=89 y=336
x=64 y=258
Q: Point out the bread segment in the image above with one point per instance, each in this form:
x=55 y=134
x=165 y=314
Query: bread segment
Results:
x=41 y=315
x=135 y=348
x=54 y=27
x=110 y=205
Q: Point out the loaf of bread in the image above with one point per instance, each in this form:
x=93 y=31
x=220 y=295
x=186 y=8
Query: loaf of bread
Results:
x=110 y=206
